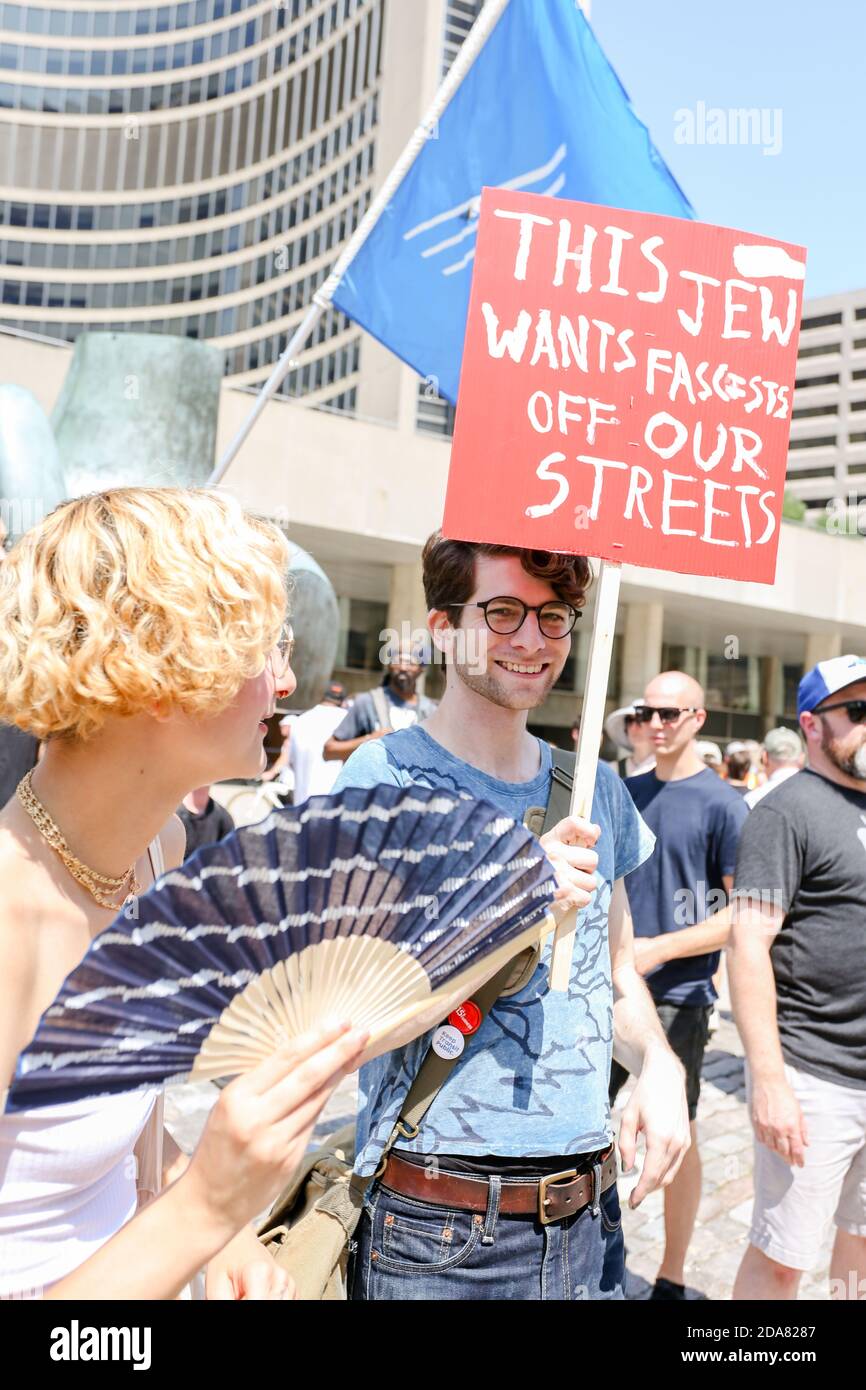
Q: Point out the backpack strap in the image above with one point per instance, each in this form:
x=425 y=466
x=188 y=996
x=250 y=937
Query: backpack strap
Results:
x=382 y=706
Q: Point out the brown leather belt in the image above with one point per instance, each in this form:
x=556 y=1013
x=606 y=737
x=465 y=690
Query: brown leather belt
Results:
x=550 y=1198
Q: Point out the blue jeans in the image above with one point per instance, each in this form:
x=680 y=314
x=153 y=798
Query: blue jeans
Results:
x=407 y=1249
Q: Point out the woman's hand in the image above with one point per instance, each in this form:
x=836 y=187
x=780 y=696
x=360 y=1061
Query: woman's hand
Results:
x=568 y=846
x=259 y=1279
x=259 y=1129
x=254 y=1139
x=245 y=1270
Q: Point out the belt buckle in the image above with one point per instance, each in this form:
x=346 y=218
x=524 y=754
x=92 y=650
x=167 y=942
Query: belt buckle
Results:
x=543 y=1185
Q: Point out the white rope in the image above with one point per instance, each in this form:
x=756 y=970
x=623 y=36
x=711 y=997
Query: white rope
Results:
x=479 y=34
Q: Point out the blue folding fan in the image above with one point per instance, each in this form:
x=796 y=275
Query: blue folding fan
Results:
x=372 y=906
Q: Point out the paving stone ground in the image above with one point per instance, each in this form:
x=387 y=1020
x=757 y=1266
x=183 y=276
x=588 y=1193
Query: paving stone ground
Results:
x=725 y=1142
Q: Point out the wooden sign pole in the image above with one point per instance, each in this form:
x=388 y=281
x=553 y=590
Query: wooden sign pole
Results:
x=591 y=723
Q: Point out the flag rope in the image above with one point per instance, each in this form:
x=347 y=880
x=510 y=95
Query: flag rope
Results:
x=478 y=36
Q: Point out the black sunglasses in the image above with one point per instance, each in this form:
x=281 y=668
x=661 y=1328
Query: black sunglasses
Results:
x=668 y=714
x=506 y=615
x=856 y=710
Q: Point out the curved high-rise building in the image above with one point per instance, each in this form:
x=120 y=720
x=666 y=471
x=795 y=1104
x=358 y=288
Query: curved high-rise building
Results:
x=189 y=168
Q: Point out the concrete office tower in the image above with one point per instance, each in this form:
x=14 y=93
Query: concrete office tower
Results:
x=188 y=168
x=827 y=453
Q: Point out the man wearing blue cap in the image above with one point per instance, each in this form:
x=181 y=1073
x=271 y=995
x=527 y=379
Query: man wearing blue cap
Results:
x=798 y=979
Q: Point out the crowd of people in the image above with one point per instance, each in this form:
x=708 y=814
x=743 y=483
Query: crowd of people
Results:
x=144 y=645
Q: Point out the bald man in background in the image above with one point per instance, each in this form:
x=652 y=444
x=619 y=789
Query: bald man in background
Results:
x=678 y=900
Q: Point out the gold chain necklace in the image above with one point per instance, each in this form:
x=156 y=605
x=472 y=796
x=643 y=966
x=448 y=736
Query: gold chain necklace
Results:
x=102 y=887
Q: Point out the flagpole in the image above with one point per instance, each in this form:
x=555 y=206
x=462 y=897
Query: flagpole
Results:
x=478 y=36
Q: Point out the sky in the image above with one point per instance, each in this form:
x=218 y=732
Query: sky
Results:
x=804 y=66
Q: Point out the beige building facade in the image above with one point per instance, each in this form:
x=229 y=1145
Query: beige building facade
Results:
x=362 y=496
x=827 y=453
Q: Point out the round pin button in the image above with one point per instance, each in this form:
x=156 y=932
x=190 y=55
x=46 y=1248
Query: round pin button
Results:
x=467 y=1018
x=448 y=1042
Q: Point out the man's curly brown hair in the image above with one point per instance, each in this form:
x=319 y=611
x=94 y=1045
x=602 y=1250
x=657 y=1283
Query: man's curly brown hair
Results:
x=449 y=572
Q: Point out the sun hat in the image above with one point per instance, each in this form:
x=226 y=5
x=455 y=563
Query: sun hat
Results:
x=614 y=727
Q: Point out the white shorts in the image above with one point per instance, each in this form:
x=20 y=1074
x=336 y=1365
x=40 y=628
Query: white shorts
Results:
x=795 y=1207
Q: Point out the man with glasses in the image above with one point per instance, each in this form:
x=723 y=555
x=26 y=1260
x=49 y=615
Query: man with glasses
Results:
x=798 y=979
x=507 y=1189
x=674 y=899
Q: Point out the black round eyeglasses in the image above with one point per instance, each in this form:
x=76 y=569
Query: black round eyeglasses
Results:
x=506 y=615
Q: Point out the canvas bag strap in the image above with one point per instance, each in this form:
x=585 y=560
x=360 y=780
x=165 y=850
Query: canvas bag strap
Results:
x=435 y=1071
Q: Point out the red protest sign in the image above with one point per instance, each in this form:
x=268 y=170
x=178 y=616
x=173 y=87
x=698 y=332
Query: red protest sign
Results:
x=626 y=387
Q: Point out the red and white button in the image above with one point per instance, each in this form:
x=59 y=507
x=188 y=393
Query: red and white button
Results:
x=467 y=1018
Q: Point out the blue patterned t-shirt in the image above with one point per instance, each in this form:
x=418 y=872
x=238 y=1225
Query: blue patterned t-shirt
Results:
x=533 y=1082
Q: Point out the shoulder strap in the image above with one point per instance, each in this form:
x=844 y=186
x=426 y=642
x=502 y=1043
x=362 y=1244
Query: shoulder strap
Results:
x=157 y=859
x=540 y=819
x=382 y=707
x=435 y=1071
x=561 y=783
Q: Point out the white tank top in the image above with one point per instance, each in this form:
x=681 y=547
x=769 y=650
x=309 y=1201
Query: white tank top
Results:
x=67 y=1180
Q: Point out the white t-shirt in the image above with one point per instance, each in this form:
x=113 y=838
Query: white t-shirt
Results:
x=310 y=732
x=758 y=793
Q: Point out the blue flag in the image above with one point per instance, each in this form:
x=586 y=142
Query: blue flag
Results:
x=540 y=109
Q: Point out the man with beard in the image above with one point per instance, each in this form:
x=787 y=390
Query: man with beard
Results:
x=395 y=704
x=798 y=979
x=506 y=1189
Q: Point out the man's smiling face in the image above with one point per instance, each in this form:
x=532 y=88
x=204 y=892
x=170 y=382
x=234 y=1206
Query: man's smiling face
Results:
x=515 y=671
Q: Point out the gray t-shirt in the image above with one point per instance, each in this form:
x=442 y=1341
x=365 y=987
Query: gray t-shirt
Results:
x=363 y=717
x=17 y=756
x=804 y=848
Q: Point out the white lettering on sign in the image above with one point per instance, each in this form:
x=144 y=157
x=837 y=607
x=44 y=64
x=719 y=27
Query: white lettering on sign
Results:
x=527 y=221
x=545 y=472
x=639 y=370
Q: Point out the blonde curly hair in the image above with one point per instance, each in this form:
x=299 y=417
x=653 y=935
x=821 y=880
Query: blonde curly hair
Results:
x=137 y=598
